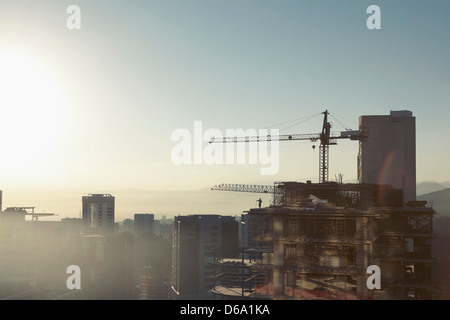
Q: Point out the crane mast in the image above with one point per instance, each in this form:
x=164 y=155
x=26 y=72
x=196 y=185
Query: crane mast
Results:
x=324 y=149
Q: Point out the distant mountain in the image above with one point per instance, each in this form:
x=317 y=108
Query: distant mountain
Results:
x=430 y=186
x=67 y=202
x=439 y=200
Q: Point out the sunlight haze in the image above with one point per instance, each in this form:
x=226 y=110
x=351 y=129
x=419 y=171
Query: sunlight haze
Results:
x=93 y=110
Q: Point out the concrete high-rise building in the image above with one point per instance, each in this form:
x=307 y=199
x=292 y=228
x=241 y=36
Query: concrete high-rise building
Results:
x=143 y=222
x=194 y=240
x=388 y=154
x=128 y=225
x=98 y=213
x=32 y=255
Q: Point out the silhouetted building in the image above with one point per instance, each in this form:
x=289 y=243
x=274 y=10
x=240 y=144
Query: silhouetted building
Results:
x=324 y=236
x=153 y=283
x=128 y=225
x=34 y=255
x=98 y=214
x=388 y=154
x=143 y=222
x=194 y=240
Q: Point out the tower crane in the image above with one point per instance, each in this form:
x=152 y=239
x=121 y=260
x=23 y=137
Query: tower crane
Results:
x=325 y=138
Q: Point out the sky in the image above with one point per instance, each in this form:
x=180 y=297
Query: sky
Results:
x=93 y=110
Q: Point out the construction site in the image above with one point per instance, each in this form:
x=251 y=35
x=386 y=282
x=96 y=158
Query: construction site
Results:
x=317 y=240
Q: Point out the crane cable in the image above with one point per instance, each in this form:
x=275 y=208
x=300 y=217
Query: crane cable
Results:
x=340 y=122
x=300 y=120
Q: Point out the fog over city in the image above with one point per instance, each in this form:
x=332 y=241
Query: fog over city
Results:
x=215 y=150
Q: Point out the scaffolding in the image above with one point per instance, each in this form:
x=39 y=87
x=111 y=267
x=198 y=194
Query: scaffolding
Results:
x=347 y=195
x=233 y=276
x=403 y=250
x=323 y=237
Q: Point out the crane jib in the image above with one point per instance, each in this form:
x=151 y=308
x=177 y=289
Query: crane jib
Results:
x=325 y=137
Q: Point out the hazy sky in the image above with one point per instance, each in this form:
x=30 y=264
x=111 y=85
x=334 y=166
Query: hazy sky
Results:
x=94 y=109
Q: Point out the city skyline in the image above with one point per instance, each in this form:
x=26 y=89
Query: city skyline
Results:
x=93 y=110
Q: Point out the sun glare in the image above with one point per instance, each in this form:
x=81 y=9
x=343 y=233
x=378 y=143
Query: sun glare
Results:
x=31 y=112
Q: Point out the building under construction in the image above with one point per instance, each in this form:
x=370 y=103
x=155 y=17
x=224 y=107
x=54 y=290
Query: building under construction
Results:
x=321 y=238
